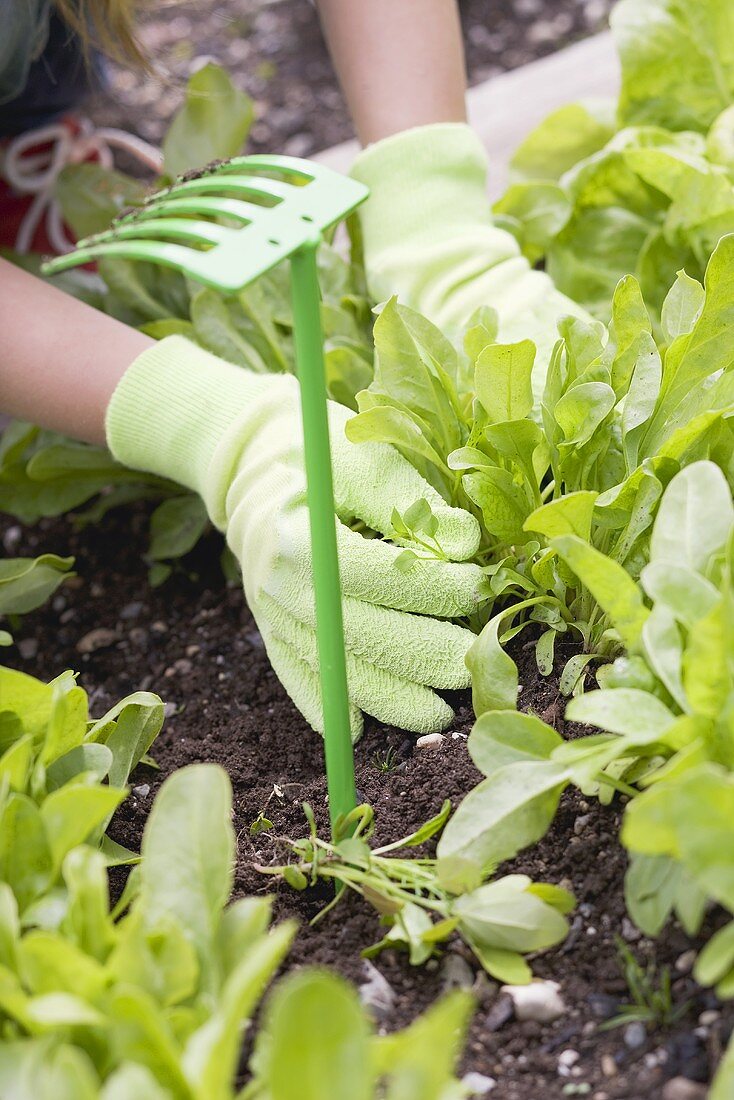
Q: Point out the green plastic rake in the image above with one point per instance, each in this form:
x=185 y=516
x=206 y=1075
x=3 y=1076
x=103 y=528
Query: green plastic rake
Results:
x=280 y=207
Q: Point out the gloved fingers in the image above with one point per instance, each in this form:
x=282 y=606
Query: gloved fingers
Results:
x=369 y=572
x=413 y=648
x=425 y=585
x=372 y=479
x=385 y=695
x=302 y=684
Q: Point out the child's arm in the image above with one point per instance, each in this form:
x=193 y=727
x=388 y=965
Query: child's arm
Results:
x=427 y=226
x=60 y=360
x=400 y=62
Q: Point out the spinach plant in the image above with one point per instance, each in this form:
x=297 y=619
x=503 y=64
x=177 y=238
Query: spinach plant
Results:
x=662 y=707
x=316 y=1041
x=61 y=778
x=646 y=189
x=501 y=921
x=578 y=473
x=148 y=999
x=26 y=583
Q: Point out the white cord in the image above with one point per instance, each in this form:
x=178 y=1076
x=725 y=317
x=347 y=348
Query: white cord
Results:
x=36 y=173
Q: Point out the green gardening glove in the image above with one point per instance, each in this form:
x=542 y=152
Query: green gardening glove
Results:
x=235 y=438
x=429 y=238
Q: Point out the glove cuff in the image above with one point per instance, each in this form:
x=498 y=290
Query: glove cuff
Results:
x=172 y=409
x=420 y=179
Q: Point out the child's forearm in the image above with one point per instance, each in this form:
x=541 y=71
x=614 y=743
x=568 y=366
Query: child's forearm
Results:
x=60 y=359
x=400 y=62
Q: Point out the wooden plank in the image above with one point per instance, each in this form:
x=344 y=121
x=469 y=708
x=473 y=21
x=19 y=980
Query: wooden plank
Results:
x=504 y=109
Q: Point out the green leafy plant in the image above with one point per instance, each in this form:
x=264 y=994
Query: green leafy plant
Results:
x=386 y=761
x=650 y=989
x=663 y=709
x=316 y=1041
x=650 y=191
x=61 y=778
x=26 y=583
x=618 y=417
x=148 y=999
x=500 y=920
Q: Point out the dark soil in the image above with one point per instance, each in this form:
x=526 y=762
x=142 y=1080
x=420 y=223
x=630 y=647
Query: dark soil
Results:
x=194 y=642
x=275 y=51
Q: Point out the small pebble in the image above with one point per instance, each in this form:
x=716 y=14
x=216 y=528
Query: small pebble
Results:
x=501 y=1011
x=11 y=538
x=430 y=741
x=484 y=989
x=709 y=1017
x=101 y=638
x=159 y=627
x=540 y=1001
x=680 y=1088
x=608 y=1065
x=192 y=650
x=455 y=973
x=635 y=1035
x=629 y=931
x=376 y=993
x=684 y=963
x=181 y=667
x=580 y=823
x=603 y=1006
x=28 y=648
x=568 y=1058
x=478 y=1084
x=131 y=610
x=142 y=791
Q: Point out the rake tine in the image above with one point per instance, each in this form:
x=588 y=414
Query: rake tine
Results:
x=185 y=229
x=274 y=162
x=158 y=252
x=235 y=185
x=208 y=205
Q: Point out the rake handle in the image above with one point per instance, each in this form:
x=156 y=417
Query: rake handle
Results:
x=309 y=349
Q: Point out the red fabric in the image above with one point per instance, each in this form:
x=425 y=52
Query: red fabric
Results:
x=14 y=206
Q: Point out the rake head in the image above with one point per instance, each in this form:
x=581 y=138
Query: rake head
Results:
x=228 y=224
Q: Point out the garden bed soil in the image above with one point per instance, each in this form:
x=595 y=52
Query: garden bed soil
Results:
x=194 y=642
x=275 y=51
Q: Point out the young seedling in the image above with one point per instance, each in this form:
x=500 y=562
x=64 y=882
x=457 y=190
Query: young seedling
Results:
x=500 y=921
x=651 y=993
x=386 y=761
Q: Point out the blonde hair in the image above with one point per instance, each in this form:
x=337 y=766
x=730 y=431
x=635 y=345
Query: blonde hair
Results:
x=110 y=24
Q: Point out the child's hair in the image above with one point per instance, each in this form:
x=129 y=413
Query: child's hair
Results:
x=110 y=24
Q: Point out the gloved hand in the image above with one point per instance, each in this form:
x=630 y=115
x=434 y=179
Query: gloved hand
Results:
x=235 y=438
x=429 y=238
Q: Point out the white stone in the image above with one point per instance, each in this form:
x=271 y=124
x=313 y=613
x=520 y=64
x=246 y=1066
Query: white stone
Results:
x=478 y=1084
x=680 y=1088
x=540 y=1001
x=430 y=741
